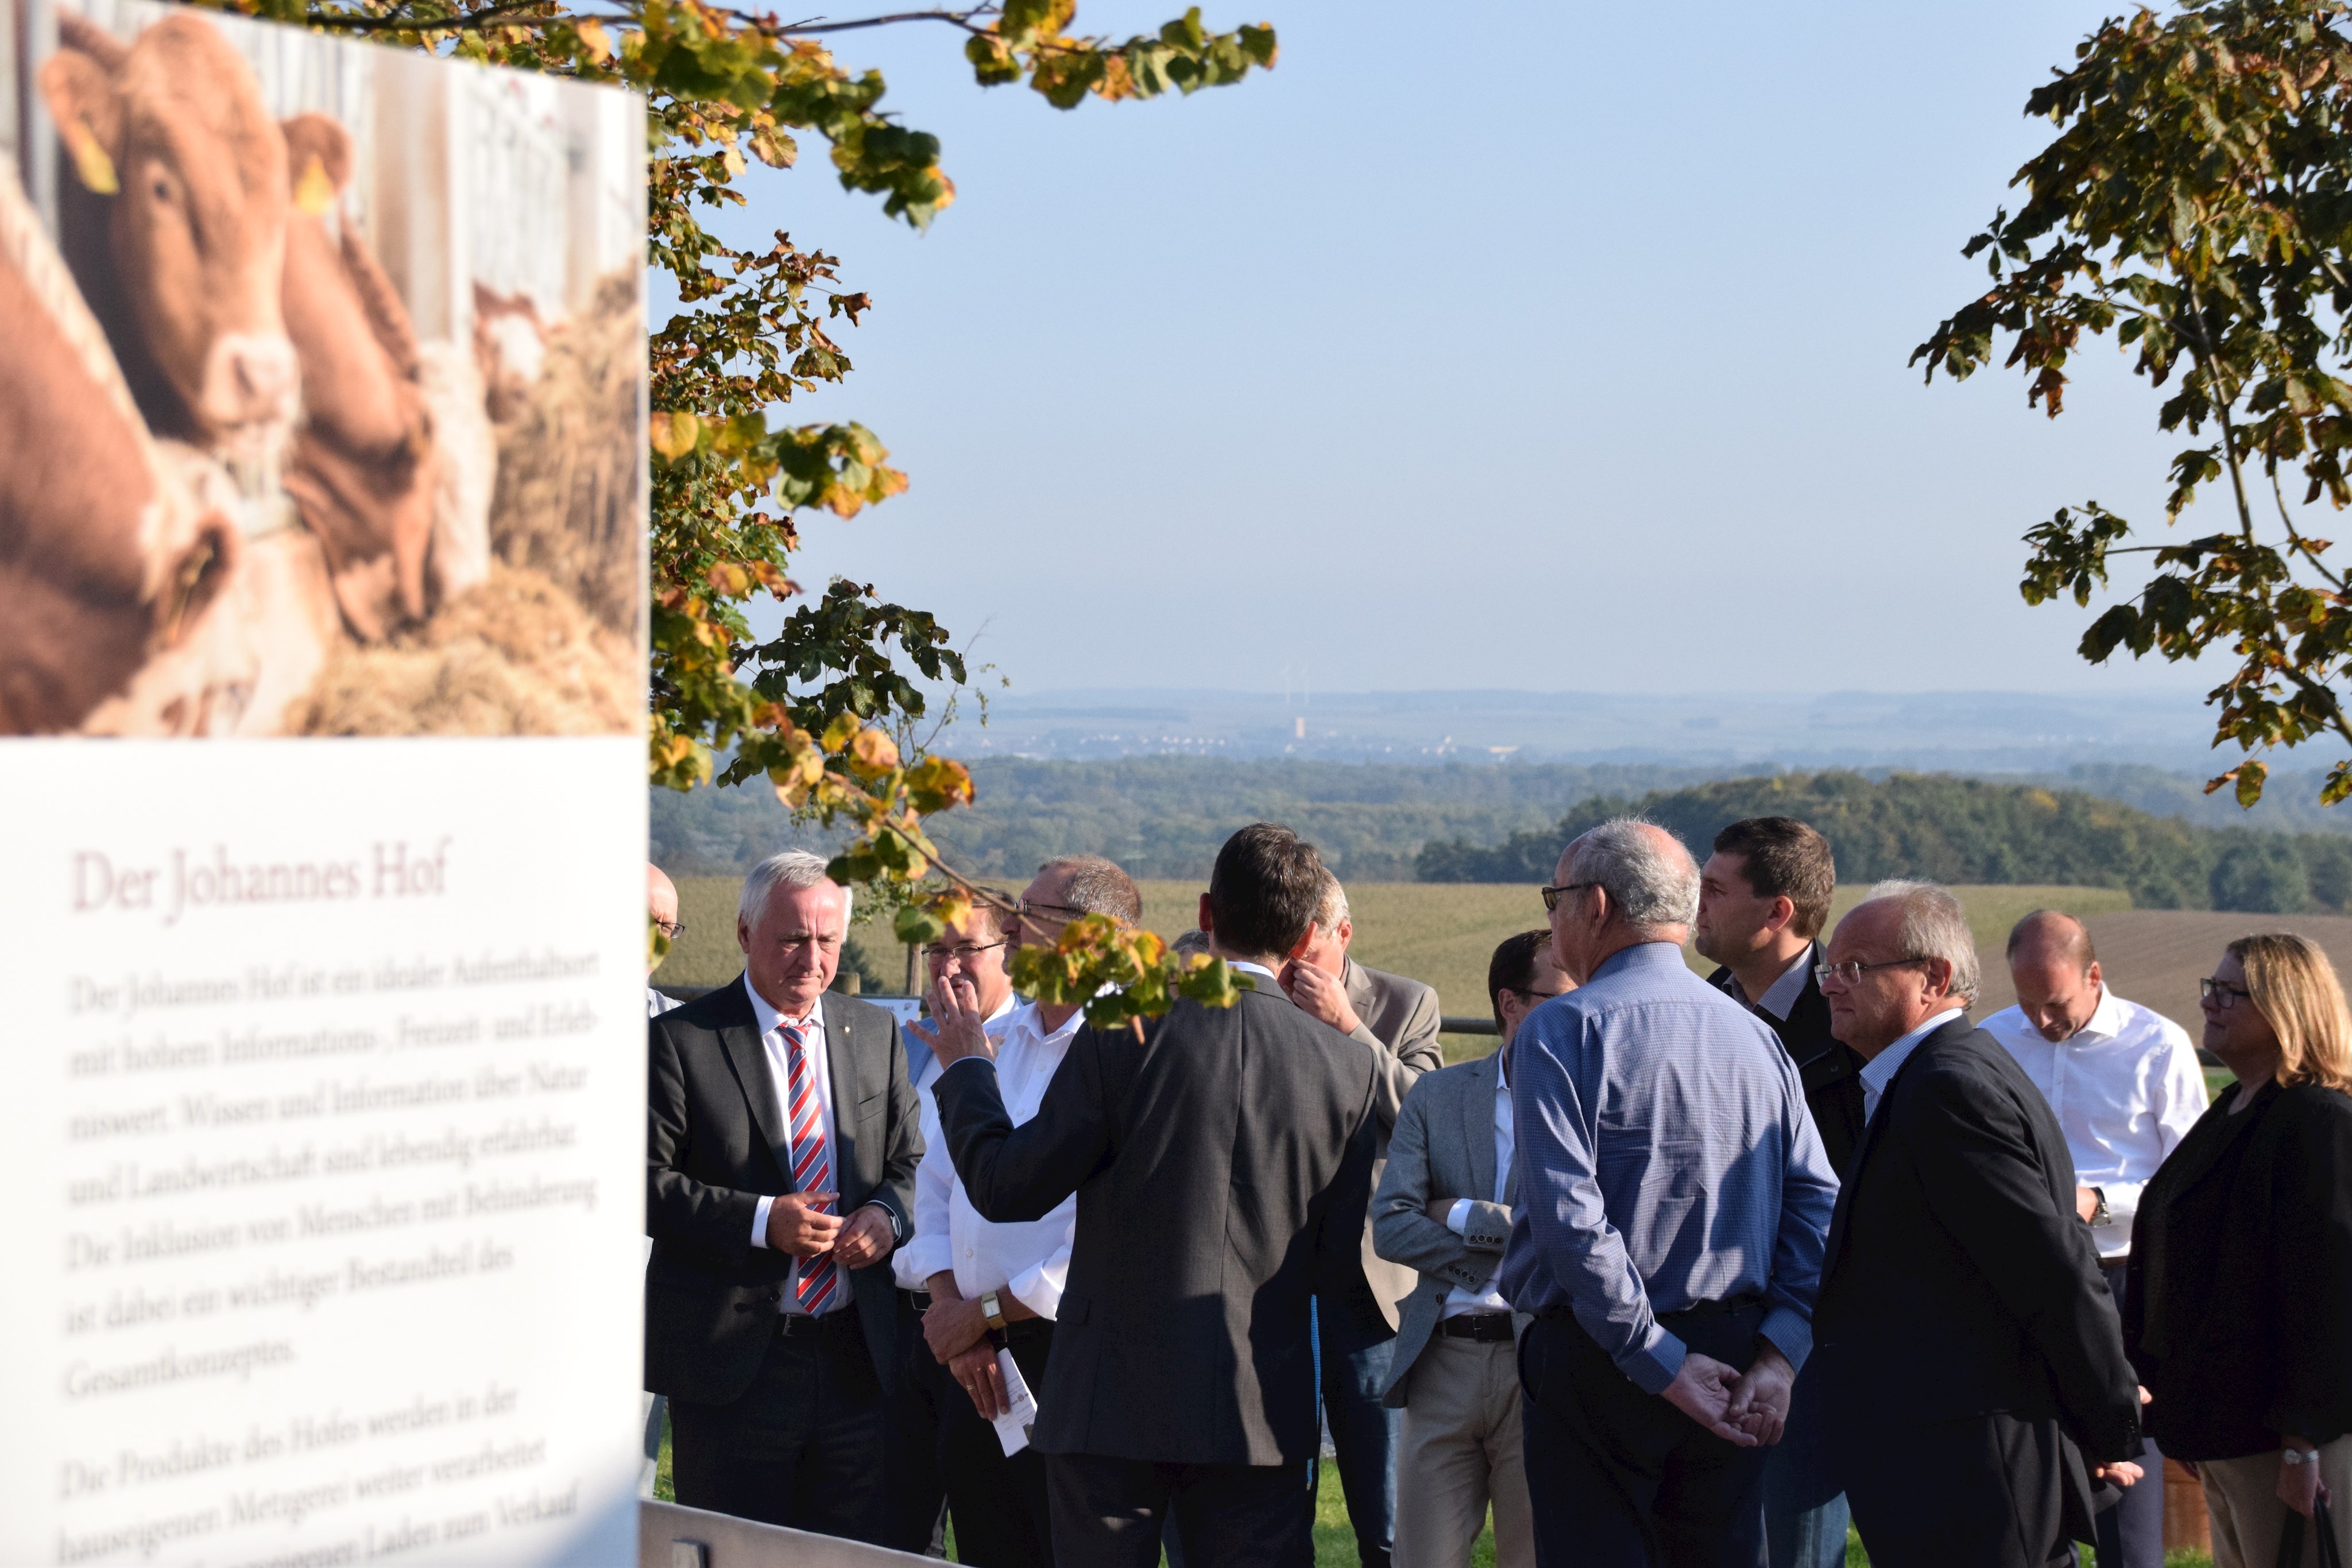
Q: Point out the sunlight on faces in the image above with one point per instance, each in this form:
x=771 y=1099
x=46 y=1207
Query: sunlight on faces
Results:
x=794 y=950
x=1327 y=950
x=1547 y=982
x=971 y=950
x=661 y=905
x=1733 y=921
x=1045 y=911
x=2239 y=1034
x=1885 y=1004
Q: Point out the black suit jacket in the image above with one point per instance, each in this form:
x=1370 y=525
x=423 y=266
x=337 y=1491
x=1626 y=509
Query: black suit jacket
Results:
x=2239 y=1310
x=1830 y=1070
x=1959 y=1280
x=1223 y=1162
x=717 y=1144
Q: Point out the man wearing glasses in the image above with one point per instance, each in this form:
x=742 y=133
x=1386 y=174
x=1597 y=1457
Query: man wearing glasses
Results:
x=975 y=949
x=999 y=1286
x=1673 y=1197
x=1444 y=1210
x=661 y=908
x=1972 y=1361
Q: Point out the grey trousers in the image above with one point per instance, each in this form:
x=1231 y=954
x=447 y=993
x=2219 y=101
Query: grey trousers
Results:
x=2241 y=1498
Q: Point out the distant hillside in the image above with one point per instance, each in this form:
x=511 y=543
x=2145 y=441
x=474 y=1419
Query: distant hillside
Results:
x=1961 y=831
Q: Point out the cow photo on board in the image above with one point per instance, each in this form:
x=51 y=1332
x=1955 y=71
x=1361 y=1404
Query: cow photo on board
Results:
x=322 y=382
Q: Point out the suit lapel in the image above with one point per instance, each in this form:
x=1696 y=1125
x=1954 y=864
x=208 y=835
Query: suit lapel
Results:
x=1478 y=1125
x=1850 y=1177
x=1359 y=986
x=841 y=1067
x=740 y=1038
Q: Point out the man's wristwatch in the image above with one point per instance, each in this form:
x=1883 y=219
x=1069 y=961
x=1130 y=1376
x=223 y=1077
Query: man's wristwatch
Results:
x=2099 y=1215
x=993 y=1313
x=2300 y=1456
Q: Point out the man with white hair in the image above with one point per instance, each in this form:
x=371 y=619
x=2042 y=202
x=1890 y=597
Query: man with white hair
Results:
x=1673 y=1197
x=1972 y=1364
x=661 y=913
x=783 y=1140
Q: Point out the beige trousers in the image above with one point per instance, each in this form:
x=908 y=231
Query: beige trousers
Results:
x=1459 y=1450
x=2242 y=1497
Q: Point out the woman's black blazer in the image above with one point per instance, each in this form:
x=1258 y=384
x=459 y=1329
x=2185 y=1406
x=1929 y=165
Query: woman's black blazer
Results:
x=2238 y=1309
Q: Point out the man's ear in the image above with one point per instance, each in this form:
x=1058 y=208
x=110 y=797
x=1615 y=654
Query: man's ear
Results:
x=1346 y=933
x=1206 y=924
x=742 y=935
x=2092 y=975
x=1306 y=940
x=88 y=113
x=1784 y=909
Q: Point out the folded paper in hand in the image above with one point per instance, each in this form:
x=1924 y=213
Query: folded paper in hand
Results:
x=1013 y=1426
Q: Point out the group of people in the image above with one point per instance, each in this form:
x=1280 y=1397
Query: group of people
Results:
x=1688 y=1272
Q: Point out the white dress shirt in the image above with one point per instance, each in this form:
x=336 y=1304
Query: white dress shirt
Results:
x=1881 y=1069
x=1488 y=1298
x=2126 y=1088
x=1029 y=1259
x=923 y=1062
x=1781 y=994
x=772 y=1039
x=657 y=1004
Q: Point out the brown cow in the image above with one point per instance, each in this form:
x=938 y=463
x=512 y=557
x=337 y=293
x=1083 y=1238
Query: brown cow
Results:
x=115 y=576
x=364 y=473
x=176 y=226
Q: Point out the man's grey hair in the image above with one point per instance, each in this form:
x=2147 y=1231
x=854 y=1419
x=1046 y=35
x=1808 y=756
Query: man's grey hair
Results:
x=792 y=868
x=1934 y=925
x=1649 y=876
x=1334 y=907
x=1098 y=886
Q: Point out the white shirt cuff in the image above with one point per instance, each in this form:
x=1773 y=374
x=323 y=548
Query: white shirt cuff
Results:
x=927 y=1253
x=1036 y=1289
x=1457 y=1219
x=759 y=1223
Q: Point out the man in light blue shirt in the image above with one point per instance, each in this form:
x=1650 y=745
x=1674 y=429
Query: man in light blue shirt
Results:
x=1674 y=1198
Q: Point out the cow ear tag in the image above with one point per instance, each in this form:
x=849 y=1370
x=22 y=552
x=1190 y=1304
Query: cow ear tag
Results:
x=90 y=162
x=315 y=194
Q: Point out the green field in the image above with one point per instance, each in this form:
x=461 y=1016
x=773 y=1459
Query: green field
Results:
x=1439 y=933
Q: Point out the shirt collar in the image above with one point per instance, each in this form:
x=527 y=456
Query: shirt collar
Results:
x=1246 y=967
x=1880 y=1071
x=768 y=1017
x=1640 y=955
x=1780 y=997
x=1024 y=1016
x=2107 y=1019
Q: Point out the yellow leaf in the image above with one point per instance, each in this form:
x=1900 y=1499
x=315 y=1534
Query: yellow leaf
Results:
x=592 y=38
x=840 y=732
x=674 y=432
x=876 y=751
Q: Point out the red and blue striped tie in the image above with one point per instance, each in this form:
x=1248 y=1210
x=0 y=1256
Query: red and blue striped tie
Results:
x=812 y=1163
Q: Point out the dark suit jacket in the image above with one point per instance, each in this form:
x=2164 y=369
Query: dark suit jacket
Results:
x=717 y=1144
x=2239 y=1308
x=1222 y=1163
x=1959 y=1280
x=1830 y=1070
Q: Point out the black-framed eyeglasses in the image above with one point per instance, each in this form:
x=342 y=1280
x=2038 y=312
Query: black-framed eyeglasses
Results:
x=1534 y=995
x=673 y=929
x=1026 y=910
x=963 y=952
x=2223 y=995
x=1551 y=894
x=1853 y=971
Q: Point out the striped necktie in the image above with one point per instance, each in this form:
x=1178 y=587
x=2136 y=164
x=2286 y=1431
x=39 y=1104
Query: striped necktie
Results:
x=812 y=1163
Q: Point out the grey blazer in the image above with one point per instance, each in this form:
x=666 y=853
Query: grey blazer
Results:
x=716 y=1144
x=1398 y=1018
x=1443 y=1146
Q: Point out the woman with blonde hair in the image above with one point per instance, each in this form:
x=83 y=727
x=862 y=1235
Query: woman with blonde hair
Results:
x=2238 y=1311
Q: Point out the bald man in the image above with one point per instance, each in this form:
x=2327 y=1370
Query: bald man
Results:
x=661 y=908
x=2125 y=1087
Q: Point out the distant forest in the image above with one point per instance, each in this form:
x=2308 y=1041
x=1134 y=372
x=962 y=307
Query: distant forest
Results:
x=1961 y=831
x=2153 y=832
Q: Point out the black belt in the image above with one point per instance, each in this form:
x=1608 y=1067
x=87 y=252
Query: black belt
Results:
x=1486 y=1328
x=918 y=1300
x=800 y=1325
x=1727 y=1307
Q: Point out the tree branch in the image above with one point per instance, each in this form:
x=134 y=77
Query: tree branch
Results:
x=457 y=23
x=2302 y=546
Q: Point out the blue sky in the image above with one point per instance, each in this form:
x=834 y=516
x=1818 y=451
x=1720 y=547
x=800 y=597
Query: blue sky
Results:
x=1550 y=346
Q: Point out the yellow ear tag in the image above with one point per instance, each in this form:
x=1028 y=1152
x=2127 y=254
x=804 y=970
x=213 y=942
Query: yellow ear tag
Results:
x=90 y=162
x=314 y=192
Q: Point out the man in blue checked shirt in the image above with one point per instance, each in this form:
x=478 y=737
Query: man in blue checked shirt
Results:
x=1674 y=1199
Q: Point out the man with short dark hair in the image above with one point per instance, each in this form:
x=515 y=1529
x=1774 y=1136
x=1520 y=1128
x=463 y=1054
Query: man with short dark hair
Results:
x=1673 y=1197
x=1398 y=1018
x=2126 y=1086
x=1444 y=1210
x=1763 y=897
x=780 y=1165
x=1972 y=1361
x=1182 y=1381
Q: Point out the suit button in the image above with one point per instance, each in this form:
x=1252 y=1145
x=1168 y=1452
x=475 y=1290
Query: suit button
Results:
x=774 y=1296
